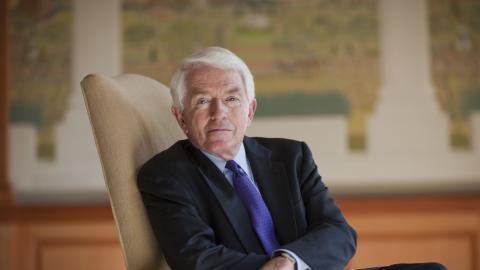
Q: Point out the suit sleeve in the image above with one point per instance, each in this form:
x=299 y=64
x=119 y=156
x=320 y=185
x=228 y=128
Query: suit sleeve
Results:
x=329 y=242
x=183 y=236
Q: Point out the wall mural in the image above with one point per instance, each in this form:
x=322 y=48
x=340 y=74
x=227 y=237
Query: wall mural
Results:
x=307 y=61
x=306 y=58
x=40 y=85
x=312 y=59
x=455 y=34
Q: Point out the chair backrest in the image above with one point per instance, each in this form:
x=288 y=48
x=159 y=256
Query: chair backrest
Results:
x=131 y=121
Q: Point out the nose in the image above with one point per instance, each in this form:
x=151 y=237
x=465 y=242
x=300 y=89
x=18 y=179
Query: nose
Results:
x=218 y=109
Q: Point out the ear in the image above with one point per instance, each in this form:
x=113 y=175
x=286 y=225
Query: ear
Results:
x=177 y=113
x=252 y=107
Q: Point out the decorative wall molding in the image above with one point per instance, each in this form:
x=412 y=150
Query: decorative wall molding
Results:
x=5 y=193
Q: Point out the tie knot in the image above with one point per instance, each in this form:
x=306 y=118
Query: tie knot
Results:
x=233 y=166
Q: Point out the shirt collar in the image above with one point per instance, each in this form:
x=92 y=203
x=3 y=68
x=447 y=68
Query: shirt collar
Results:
x=240 y=158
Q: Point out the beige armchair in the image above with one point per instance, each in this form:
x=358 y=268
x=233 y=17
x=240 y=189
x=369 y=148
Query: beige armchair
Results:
x=131 y=121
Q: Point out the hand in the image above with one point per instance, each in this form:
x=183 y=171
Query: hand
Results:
x=278 y=263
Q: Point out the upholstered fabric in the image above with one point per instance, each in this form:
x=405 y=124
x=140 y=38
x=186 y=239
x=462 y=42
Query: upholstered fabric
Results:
x=131 y=120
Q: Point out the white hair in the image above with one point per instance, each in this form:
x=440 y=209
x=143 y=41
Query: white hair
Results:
x=212 y=56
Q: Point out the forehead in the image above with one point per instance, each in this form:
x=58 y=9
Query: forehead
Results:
x=206 y=78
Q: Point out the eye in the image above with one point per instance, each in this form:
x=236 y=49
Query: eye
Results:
x=202 y=101
x=232 y=99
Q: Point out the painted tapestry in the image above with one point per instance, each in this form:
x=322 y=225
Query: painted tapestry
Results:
x=39 y=58
x=308 y=57
x=455 y=33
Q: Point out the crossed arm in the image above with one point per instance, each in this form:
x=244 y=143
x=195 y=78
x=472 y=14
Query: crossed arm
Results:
x=189 y=242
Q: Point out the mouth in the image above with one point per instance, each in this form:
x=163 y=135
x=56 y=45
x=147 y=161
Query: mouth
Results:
x=213 y=130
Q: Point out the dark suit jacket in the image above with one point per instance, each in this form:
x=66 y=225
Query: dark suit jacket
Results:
x=200 y=223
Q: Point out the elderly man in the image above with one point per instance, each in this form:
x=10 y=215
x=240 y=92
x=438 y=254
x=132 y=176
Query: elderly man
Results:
x=221 y=200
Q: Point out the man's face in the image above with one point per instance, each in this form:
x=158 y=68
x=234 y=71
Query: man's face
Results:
x=216 y=110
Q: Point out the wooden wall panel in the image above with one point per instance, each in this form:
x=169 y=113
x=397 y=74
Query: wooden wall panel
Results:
x=67 y=245
x=59 y=255
x=6 y=245
x=454 y=251
x=445 y=230
x=418 y=231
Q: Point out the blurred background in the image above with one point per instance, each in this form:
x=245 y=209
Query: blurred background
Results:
x=385 y=92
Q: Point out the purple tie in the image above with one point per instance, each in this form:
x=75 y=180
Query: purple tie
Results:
x=258 y=211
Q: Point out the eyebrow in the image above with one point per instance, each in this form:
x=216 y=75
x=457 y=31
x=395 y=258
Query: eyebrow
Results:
x=199 y=91
x=233 y=90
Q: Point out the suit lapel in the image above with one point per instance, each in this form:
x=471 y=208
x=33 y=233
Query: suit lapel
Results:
x=229 y=202
x=274 y=186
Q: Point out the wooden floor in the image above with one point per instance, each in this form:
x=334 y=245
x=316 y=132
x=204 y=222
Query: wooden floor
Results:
x=442 y=229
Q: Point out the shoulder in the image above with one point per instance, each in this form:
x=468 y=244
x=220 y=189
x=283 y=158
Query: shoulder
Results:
x=171 y=160
x=278 y=148
x=276 y=144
